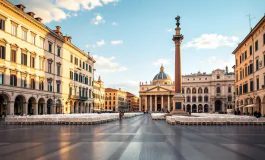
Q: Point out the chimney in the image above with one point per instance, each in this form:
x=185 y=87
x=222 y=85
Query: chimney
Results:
x=69 y=39
x=88 y=53
x=39 y=19
x=21 y=7
x=32 y=14
x=58 y=30
x=226 y=69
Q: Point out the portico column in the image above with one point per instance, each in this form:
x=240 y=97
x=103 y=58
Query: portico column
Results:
x=203 y=108
x=151 y=104
x=185 y=108
x=145 y=103
x=168 y=103
x=140 y=104
x=10 y=108
x=197 y=108
x=162 y=103
x=44 y=108
x=155 y=102
x=25 y=108
x=36 y=106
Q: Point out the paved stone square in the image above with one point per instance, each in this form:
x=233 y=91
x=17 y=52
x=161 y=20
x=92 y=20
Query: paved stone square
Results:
x=134 y=138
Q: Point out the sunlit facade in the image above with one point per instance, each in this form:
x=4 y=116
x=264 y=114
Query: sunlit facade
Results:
x=41 y=71
x=132 y=102
x=99 y=95
x=203 y=92
x=250 y=71
x=115 y=99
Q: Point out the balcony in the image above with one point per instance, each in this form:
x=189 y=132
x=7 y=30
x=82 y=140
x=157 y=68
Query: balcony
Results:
x=74 y=97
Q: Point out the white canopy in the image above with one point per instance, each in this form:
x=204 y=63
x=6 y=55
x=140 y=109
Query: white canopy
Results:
x=251 y=105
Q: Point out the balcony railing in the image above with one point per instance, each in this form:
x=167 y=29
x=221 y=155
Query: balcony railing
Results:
x=78 y=97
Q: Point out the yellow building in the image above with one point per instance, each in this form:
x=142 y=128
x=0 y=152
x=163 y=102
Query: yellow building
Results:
x=99 y=95
x=115 y=100
x=41 y=71
x=132 y=102
x=250 y=71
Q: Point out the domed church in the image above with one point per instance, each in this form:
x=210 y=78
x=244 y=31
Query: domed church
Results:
x=203 y=92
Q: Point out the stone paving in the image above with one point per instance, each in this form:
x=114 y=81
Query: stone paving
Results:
x=134 y=138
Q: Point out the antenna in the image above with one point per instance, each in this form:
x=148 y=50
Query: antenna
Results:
x=249 y=18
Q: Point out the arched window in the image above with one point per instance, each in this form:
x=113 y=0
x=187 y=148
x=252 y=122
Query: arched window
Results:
x=200 y=98
x=188 y=99
x=218 y=90
x=200 y=90
x=205 y=98
x=41 y=86
x=32 y=83
x=193 y=90
x=183 y=91
x=188 y=90
x=206 y=90
x=194 y=99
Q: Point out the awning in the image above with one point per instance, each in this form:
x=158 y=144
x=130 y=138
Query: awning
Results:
x=250 y=105
x=241 y=106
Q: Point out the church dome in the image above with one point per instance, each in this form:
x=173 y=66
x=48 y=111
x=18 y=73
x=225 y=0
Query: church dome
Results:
x=162 y=77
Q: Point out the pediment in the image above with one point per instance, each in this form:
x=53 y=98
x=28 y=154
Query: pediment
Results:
x=158 y=89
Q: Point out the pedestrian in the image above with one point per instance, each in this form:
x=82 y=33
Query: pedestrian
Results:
x=120 y=114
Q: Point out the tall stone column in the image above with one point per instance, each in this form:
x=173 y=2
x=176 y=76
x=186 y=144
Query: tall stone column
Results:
x=155 y=102
x=25 y=108
x=10 y=108
x=151 y=104
x=145 y=103
x=140 y=104
x=36 y=109
x=162 y=102
x=168 y=103
x=45 y=108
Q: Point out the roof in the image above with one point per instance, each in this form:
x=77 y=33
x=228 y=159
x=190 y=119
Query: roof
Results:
x=250 y=34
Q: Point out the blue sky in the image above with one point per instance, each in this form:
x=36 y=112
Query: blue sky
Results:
x=131 y=38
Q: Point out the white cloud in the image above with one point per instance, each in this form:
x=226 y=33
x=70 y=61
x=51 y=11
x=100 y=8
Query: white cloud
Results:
x=56 y=10
x=161 y=61
x=128 y=86
x=100 y=43
x=219 y=63
x=107 y=64
x=116 y=42
x=170 y=30
x=114 y=24
x=211 y=41
x=98 y=19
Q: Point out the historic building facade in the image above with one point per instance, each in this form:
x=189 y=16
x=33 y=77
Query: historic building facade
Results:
x=250 y=71
x=203 y=92
x=115 y=100
x=132 y=102
x=41 y=71
x=99 y=95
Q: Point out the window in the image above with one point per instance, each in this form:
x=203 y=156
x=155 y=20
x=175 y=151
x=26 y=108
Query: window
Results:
x=50 y=86
x=218 y=90
x=2 y=52
x=90 y=81
x=23 y=59
x=71 y=75
x=86 y=66
x=41 y=85
x=24 y=34
x=76 y=61
x=194 y=99
x=229 y=98
x=13 y=55
x=206 y=99
x=251 y=86
x=83 y=65
x=218 y=77
x=236 y=62
x=1 y=78
x=76 y=77
x=250 y=68
x=80 y=63
x=32 y=83
x=50 y=47
x=246 y=71
x=90 y=69
x=200 y=99
x=33 y=38
x=257 y=64
x=41 y=65
x=240 y=90
x=250 y=50
x=257 y=83
x=13 y=80
x=58 y=87
x=2 y=24
x=256 y=45
x=32 y=62
x=264 y=59
x=59 y=51
x=264 y=39
x=23 y=82
x=58 y=70
x=49 y=67
x=41 y=43
x=71 y=58
x=240 y=60
x=14 y=30
x=246 y=55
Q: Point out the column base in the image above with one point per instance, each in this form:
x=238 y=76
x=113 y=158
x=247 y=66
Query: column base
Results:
x=178 y=101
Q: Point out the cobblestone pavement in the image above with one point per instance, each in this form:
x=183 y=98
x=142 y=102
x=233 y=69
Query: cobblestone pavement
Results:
x=134 y=138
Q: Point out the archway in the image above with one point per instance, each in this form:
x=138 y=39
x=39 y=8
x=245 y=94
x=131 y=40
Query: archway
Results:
x=79 y=107
x=194 y=108
x=20 y=101
x=206 y=108
x=4 y=99
x=258 y=104
x=75 y=107
x=159 y=102
x=200 y=110
x=218 y=106
x=49 y=106
x=188 y=108
x=86 y=108
x=58 y=106
x=31 y=105
x=41 y=103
